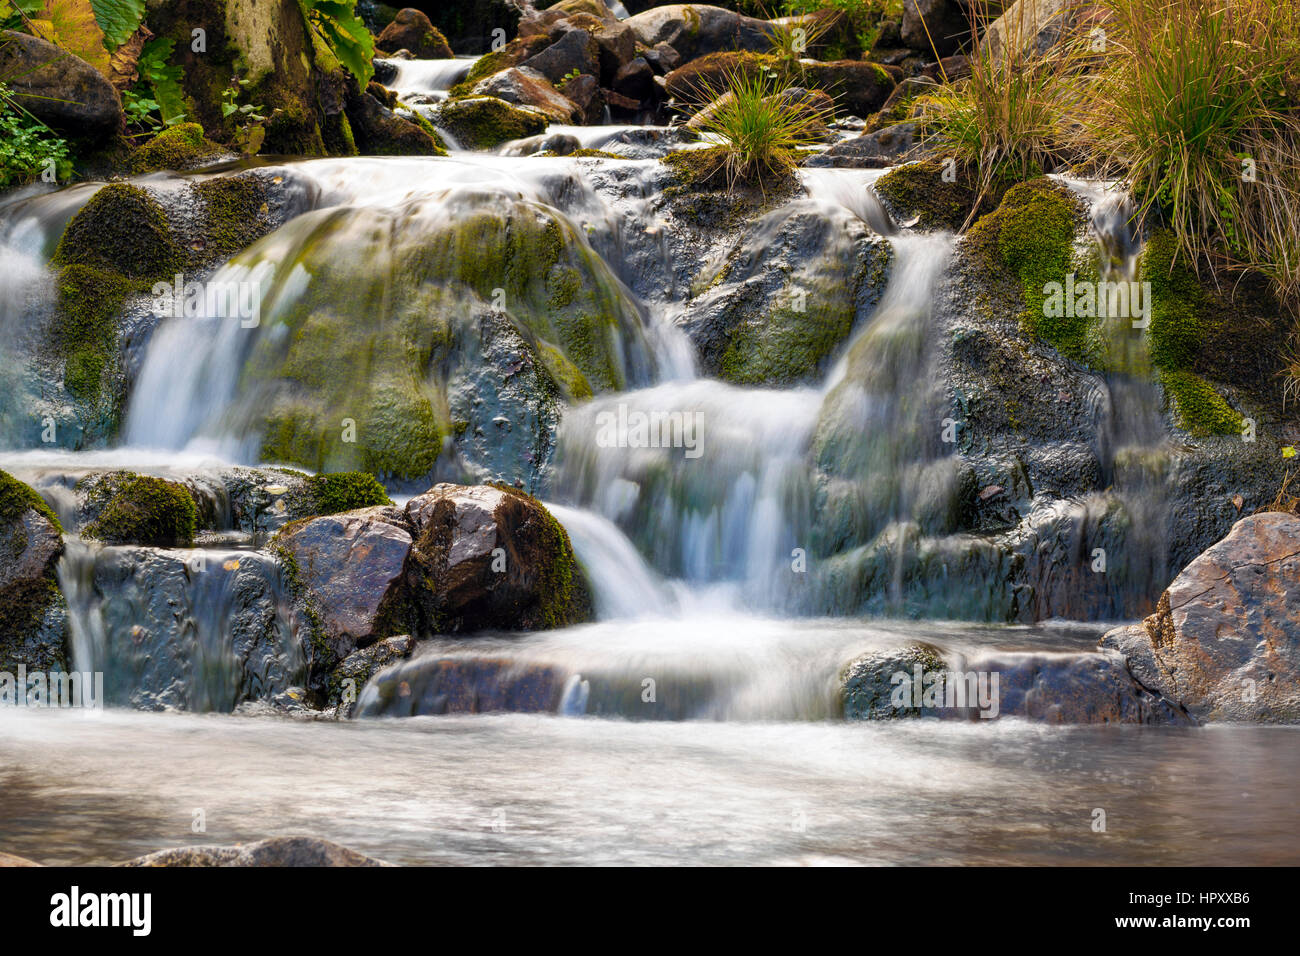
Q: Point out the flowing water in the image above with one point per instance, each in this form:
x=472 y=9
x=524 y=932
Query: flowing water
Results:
x=693 y=550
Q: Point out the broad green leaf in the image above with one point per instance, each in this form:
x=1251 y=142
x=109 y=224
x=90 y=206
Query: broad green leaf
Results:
x=164 y=79
x=118 y=19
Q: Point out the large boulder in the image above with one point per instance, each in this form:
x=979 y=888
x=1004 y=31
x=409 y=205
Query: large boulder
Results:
x=485 y=122
x=412 y=30
x=575 y=52
x=493 y=557
x=1225 y=638
x=696 y=29
x=58 y=88
x=1030 y=26
x=351 y=568
x=277 y=851
x=32 y=609
x=381 y=132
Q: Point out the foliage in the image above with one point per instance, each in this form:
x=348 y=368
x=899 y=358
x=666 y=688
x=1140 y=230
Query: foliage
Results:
x=761 y=134
x=163 y=79
x=248 y=119
x=337 y=24
x=28 y=146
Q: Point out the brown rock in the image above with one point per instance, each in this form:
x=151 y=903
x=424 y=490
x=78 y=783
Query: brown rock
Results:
x=1225 y=638
x=58 y=88
x=525 y=87
x=412 y=30
x=574 y=52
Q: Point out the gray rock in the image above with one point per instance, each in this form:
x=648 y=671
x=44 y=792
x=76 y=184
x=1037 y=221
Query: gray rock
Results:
x=58 y=88
x=694 y=30
x=868 y=682
x=352 y=566
x=936 y=27
x=32 y=610
x=277 y=851
x=884 y=147
x=350 y=677
x=575 y=50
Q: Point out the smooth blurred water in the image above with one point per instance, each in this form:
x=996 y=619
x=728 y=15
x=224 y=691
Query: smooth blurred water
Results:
x=523 y=789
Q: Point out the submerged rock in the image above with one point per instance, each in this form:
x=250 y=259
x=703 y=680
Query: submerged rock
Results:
x=869 y=682
x=1225 y=638
x=431 y=684
x=276 y=851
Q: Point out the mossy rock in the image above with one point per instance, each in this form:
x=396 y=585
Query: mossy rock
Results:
x=1032 y=234
x=705 y=195
x=921 y=191
x=236 y=214
x=84 y=332
x=179 y=147
x=1178 y=303
x=141 y=509
x=17 y=497
x=122 y=230
x=335 y=492
x=1198 y=408
x=512 y=54
x=485 y=122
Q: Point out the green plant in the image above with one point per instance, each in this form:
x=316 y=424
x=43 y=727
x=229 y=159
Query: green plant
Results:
x=338 y=26
x=761 y=132
x=28 y=148
x=163 y=79
x=248 y=119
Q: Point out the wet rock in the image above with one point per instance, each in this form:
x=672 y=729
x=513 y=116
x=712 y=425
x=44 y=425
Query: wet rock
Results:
x=1086 y=688
x=635 y=80
x=201 y=630
x=778 y=304
x=696 y=30
x=884 y=147
x=58 y=88
x=574 y=52
x=869 y=682
x=412 y=30
x=524 y=86
x=125 y=508
x=381 y=132
x=352 y=568
x=431 y=684
x=178 y=147
x=277 y=851
x=585 y=91
x=491 y=557
x=484 y=122
x=33 y=612
x=561 y=144
x=1225 y=638
x=350 y=677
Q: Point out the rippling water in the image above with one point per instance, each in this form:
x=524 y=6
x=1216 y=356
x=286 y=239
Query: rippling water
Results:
x=521 y=789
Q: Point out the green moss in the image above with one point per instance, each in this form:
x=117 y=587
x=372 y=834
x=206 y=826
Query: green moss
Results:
x=563 y=598
x=141 y=509
x=593 y=154
x=122 y=230
x=1200 y=409
x=1178 y=303
x=16 y=497
x=182 y=146
x=236 y=214
x=1032 y=234
x=485 y=122
x=422 y=121
x=84 y=331
x=332 y=493
x=920 y=189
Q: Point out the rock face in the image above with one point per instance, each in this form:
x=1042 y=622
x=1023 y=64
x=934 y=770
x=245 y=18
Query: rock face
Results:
x=493 y=558
x=58 y=88
x=412 y=30
x=32 y=610
x=353 y=565
x=1225 y=638
x=277 y=851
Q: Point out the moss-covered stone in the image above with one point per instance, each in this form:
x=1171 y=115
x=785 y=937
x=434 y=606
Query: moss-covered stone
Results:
x=1032 y=233
x=141 y=509
x=236 y=214
x=182 y=146
x=84 y=332
x=1199 y=409
x=921 y=190
x=512 y=54
x=1177 y=303
x=16 y=497
x=485 y=122
x=339 y=491
x=121 y=230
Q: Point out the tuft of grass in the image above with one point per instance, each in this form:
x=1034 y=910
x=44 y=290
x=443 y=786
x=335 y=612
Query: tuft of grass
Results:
x=760 y=134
